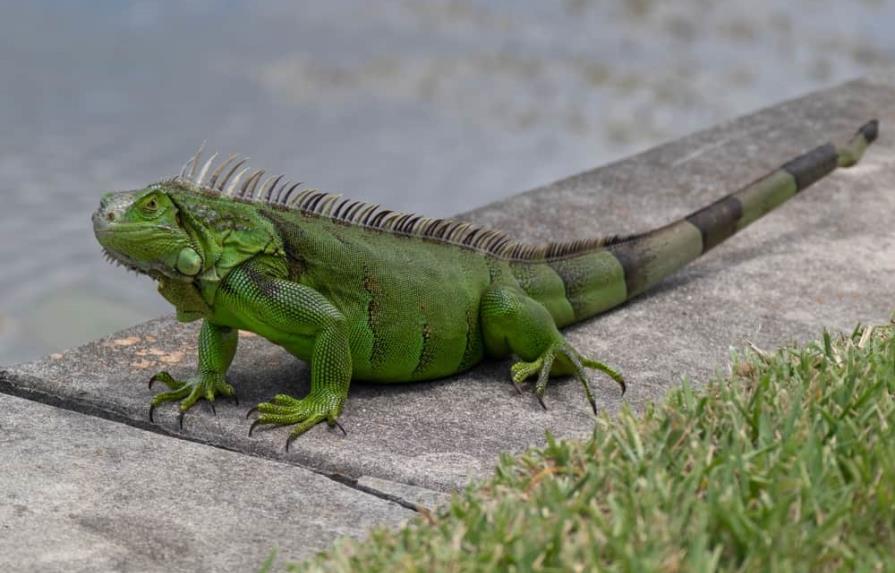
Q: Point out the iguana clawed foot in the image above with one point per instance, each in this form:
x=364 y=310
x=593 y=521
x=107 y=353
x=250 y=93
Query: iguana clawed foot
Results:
x=206 y=386
x=561 y=359
x=304 y=413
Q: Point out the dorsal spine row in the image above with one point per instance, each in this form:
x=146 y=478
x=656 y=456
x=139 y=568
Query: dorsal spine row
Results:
x=231 y=178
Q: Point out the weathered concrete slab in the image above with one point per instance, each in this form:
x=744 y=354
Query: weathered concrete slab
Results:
x=417 y=498
x=825 y=259
x=78 y=493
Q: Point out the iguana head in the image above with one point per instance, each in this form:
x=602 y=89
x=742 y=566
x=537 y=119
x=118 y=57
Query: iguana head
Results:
x=179 y=231
x=143 y=230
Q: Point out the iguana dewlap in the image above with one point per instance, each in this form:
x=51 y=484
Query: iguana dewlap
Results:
x=361 y=292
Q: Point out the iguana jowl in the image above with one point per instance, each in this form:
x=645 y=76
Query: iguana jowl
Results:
x=361 y=292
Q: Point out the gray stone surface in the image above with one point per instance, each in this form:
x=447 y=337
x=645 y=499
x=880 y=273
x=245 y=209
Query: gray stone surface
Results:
x=826 y=259
x=79 y=493
x=415 y=497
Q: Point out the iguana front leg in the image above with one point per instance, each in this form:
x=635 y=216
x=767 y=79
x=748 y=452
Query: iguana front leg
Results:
x=217 y=345
x=514 y=323
x=306 y=324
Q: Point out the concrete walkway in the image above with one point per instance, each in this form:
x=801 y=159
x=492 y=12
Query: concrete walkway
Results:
x=108 y=487
x=80 y=493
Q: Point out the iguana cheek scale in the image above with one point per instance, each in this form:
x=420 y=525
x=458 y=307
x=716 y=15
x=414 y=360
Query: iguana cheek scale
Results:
x=362 y=292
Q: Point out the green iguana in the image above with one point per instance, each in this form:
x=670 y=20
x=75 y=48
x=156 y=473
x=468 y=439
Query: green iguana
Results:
x=362 y=292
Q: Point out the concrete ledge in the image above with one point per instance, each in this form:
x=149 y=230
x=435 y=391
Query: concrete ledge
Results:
x=826 y=259
x=419 y=498
x=80 y=493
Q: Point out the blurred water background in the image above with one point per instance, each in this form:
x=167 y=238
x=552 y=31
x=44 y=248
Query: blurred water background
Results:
x=437 y=106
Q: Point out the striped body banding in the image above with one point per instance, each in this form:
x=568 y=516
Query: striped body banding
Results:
x=647 y=258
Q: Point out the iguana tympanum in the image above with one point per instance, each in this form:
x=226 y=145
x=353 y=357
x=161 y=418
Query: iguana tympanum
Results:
x=361 y=292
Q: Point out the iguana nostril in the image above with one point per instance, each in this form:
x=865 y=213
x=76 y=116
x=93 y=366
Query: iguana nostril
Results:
x=110 y=216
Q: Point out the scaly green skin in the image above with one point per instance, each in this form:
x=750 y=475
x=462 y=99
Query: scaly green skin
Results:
x=384 y=306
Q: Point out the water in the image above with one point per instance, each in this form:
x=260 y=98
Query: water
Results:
x=436 y=107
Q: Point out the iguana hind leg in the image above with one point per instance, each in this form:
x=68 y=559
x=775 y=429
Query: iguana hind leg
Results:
x=217 y=346
x=514 y=323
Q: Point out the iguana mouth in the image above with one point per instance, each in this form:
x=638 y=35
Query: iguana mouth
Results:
x=145 y=269
x=121 y=261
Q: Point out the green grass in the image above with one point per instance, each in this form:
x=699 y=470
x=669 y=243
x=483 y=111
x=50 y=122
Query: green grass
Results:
x=786 y=465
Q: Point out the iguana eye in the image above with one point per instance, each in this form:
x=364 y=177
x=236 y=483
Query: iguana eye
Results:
x=151 y=206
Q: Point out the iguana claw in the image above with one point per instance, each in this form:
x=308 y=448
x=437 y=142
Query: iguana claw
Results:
x=304 y=413
x=571 y=362
x=188 y=392
x=253 y=426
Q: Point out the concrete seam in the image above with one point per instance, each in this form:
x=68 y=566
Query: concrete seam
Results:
x=7 y=387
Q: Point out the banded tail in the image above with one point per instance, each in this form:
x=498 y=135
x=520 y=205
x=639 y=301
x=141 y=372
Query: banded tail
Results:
x=623 y=268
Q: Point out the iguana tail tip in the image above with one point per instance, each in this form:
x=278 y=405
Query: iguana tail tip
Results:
x=870 y=130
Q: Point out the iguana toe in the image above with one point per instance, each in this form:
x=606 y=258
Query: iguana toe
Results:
x=188 y=392
x=597 y=365
x=303 y=413
x=562 y=359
